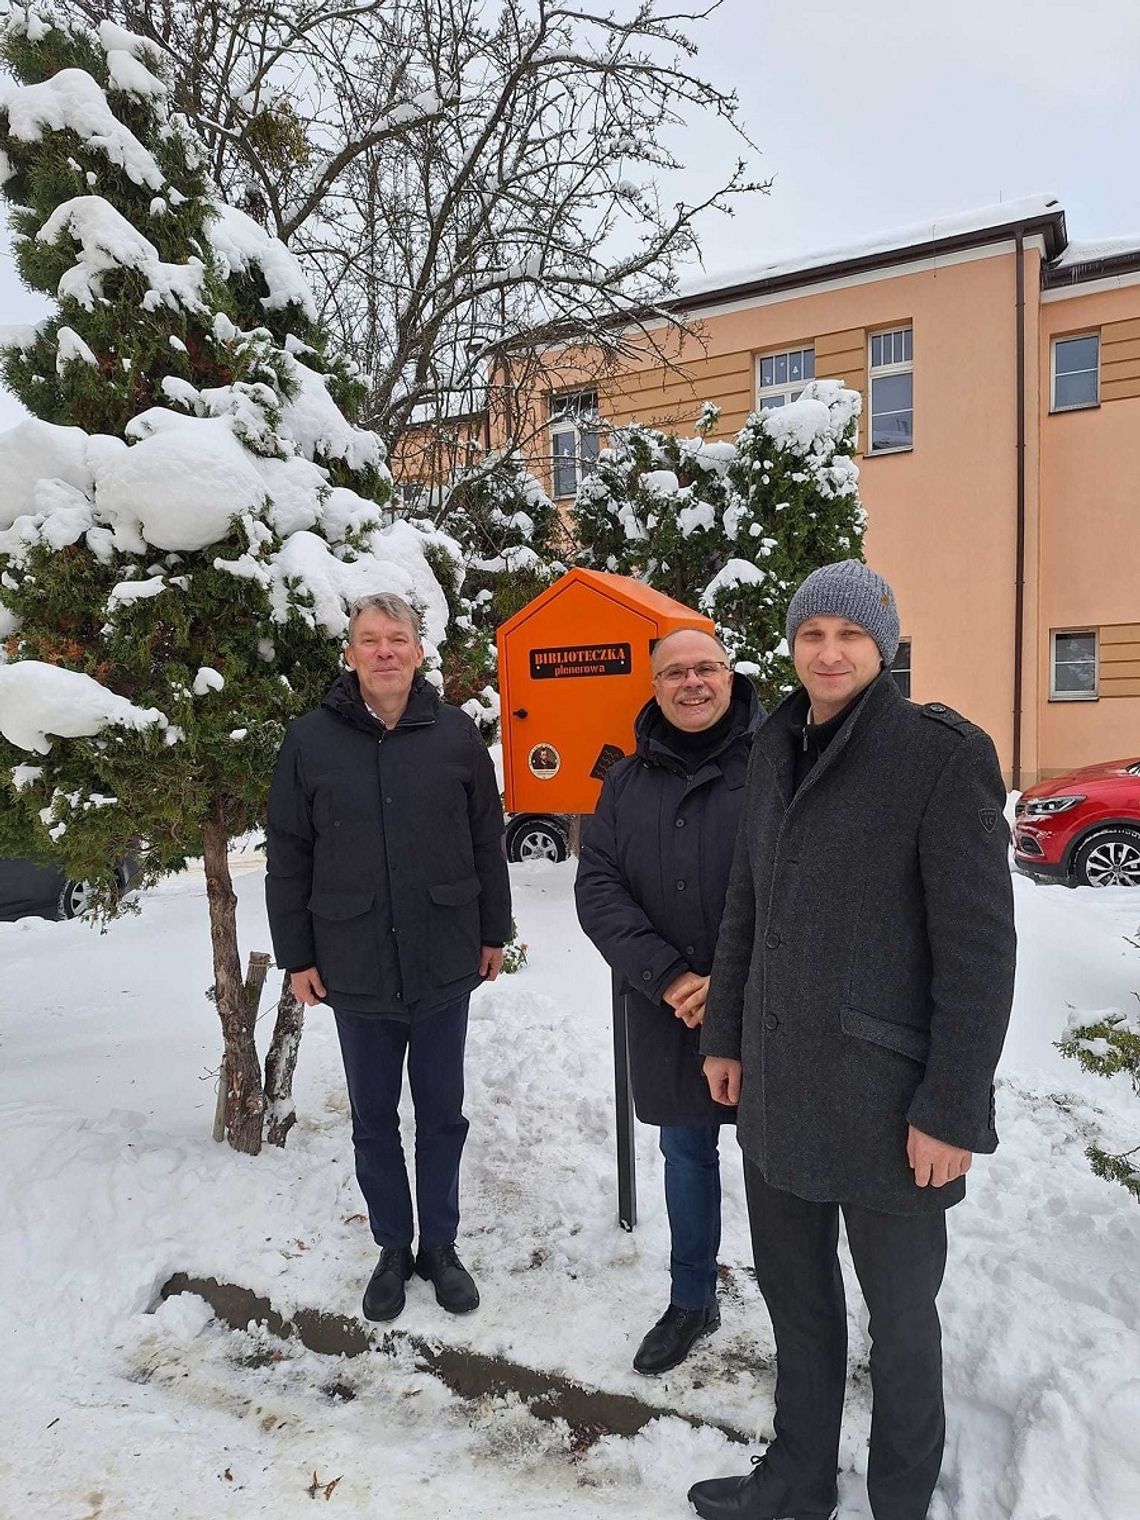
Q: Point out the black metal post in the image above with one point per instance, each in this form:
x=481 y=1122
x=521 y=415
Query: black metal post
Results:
x=623 y=1109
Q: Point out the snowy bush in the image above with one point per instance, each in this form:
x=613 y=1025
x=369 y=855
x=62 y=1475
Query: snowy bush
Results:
x=1108 y=1044
x=508 y=534
x=732 y=528
x=193 y=497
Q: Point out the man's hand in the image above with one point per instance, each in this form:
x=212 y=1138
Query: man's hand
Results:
x=686 y=996
x=723 y=1077
x=308 y=987
x=490 y=962
x=933 y=1162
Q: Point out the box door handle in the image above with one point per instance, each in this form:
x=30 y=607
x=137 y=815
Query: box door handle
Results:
x=519 y=712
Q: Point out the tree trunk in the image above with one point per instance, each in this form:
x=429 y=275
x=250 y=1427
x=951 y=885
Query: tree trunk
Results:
x=280 y=1063
x=245 y=1101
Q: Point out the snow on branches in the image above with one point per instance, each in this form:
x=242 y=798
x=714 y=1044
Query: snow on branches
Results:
x=193 y=494
x=732 y=528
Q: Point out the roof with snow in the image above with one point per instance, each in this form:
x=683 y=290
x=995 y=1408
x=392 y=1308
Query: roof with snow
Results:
x=1041 y=215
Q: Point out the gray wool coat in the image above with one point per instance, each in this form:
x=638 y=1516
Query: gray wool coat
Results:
x=864 y=969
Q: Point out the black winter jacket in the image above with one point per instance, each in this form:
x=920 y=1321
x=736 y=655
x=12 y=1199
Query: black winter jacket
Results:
x=864 y=971
x=651 y=881
x=386 y=867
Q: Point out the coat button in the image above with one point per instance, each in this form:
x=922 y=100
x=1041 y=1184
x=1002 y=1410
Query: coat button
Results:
x=680 y=823
x=680 y=886
x=771 y=1021
x=387 y=799
x=690 y=949
x=647 y=976
x=772 y=940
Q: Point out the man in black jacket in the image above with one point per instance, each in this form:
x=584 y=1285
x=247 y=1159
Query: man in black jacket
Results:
x=388 y=898
x=650 y=892
x=859 y=1000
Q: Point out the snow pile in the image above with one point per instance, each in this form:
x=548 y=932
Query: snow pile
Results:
x=108 y=242
x=319 y=426
x=816 y=423
x=181 y=487
x=71 y=101
x=243 y=246
x=738 y=572
x=34 y=452
x=39 y=702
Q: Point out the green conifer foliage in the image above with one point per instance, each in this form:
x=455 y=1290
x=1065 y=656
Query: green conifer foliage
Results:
x=732 y=530
x=181 y=532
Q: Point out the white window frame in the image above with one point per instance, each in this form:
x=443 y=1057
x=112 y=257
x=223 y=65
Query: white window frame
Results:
x=788 y=390
x=573 y=413
x=882 y=371
x=1072 y=406
x=1073 y=696
x=897 y=670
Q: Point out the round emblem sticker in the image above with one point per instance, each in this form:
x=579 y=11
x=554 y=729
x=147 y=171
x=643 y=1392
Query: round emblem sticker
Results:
x=544 y=761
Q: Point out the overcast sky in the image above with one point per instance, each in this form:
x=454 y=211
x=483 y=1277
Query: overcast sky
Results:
x=872 y=114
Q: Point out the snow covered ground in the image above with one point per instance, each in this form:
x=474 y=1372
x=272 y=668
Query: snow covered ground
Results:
x=111 y=1183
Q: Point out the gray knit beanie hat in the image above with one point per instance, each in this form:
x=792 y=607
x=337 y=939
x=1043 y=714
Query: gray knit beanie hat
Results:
x=849 y=589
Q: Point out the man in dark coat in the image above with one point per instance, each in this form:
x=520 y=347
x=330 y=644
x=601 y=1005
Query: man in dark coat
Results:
x=651 y=882
x=859 y=1000
x=388 y=898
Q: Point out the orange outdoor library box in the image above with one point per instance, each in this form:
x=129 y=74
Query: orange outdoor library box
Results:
x=574 y=672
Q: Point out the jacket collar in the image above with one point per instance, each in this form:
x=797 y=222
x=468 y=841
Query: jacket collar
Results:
x=652 y=731
x=343 y=698
x=785 y=727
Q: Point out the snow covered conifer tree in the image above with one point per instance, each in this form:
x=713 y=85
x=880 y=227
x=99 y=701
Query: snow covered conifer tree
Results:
x=732 y=528
x=796 y=507
x=189 y=513
x=508 y=532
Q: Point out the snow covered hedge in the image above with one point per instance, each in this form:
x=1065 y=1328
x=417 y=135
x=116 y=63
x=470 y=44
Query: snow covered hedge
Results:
x=732 y=527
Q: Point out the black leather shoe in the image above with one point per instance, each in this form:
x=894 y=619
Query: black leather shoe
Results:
x=455 y=1290
x=384 y=1295
x=756 y=1496
x=673 y=1337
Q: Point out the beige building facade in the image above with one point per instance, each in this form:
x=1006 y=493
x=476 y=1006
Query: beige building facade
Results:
x=999 y=452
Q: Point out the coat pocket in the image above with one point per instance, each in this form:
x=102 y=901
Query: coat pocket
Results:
x=453 y=894
x=455 y=936
x=903 y=1038
x=344 y=932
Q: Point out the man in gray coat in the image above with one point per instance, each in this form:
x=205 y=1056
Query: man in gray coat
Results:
x=859 y=999
x=388 y=899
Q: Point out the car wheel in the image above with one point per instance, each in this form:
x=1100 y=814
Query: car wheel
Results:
x=74 y=899
x=1109 y=858
x=536 y=839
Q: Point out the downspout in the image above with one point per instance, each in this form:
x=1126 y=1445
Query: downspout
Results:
x=1019 y=574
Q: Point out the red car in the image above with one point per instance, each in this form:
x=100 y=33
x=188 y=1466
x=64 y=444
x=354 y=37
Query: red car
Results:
x=1083 y=828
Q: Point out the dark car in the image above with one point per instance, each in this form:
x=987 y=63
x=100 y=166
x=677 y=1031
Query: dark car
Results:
x=31 y=889
x=1082 y=828
x=538 y=836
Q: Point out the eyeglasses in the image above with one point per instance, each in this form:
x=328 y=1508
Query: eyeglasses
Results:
x=673 y=675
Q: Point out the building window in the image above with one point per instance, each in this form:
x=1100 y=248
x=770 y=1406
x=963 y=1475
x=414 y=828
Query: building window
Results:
x=781 y=377
x=900 y=668
x=573 y=440
x=1073 y=664
x=1076 y=372
x=892 y=391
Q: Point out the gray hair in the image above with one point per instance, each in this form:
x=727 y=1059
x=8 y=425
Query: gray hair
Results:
x=390 y=605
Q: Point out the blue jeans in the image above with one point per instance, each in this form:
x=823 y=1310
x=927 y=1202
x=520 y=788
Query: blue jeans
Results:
x=692 y=1200
x=373 y=1049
